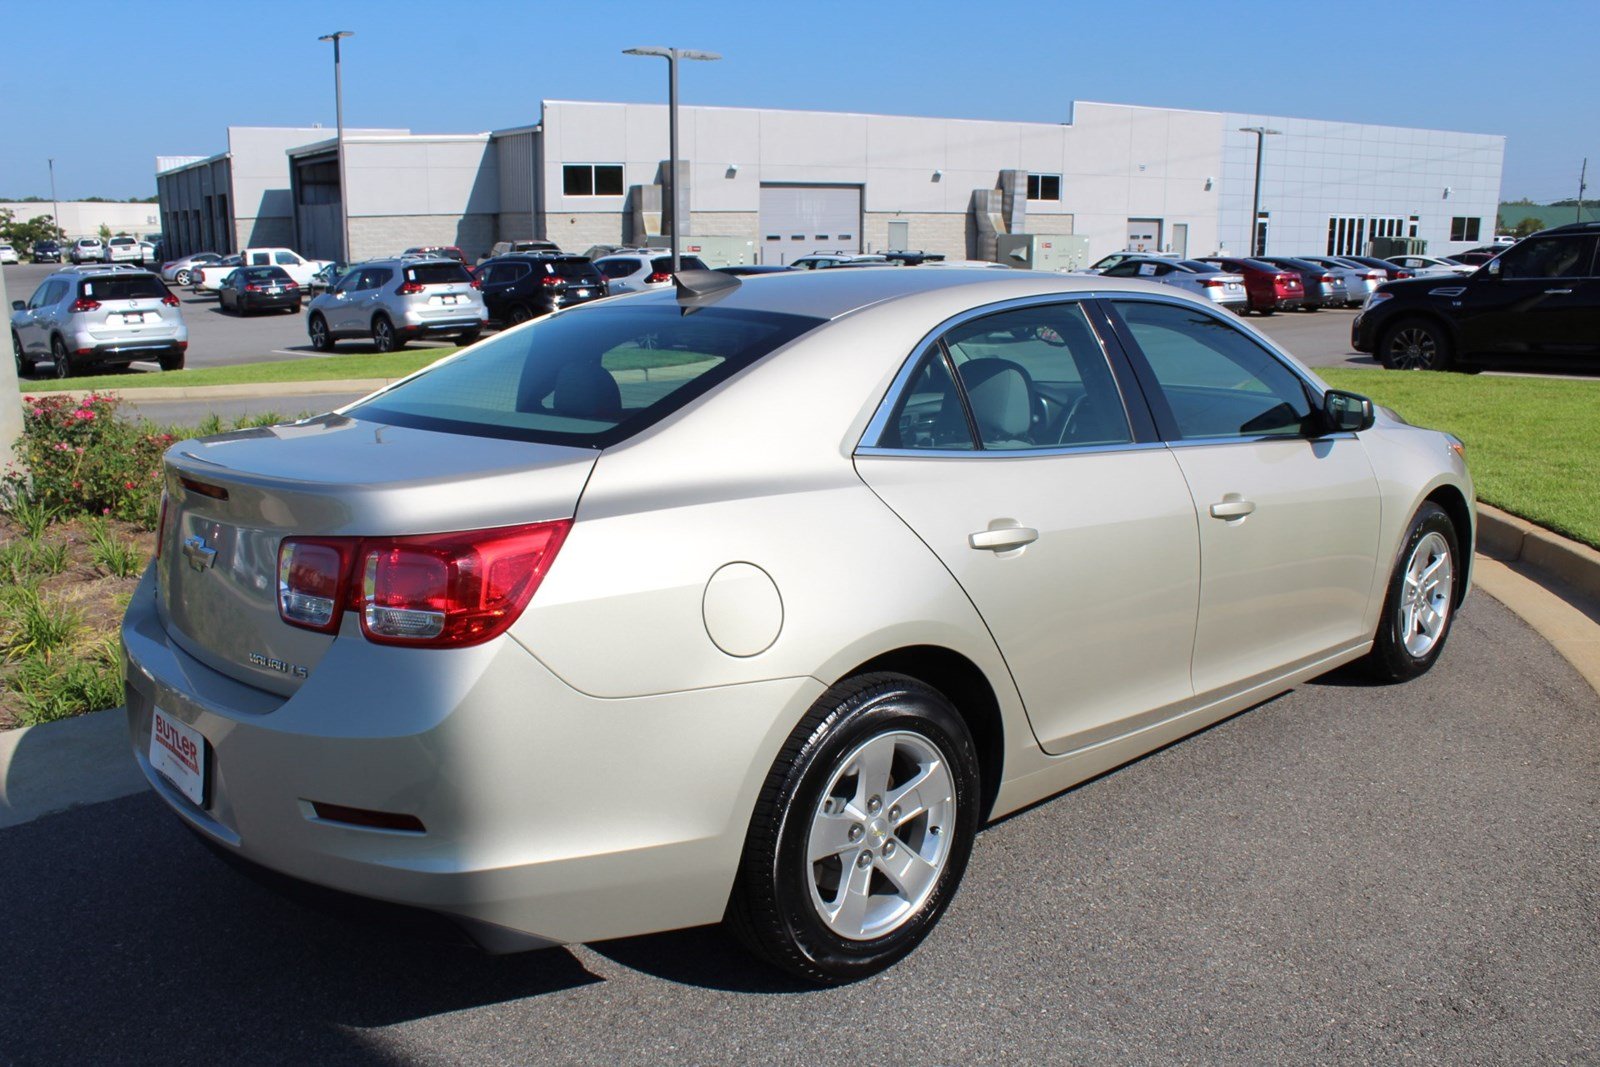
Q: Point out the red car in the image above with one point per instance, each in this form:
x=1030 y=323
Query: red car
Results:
x=1268 y=288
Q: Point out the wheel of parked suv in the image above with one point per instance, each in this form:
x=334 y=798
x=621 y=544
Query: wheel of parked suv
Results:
x=384 y=337
x=294 y=308
x=518 y=314
x=861 y=831
x=24 y=364
x=1415 y=344
x=61 y=358
x=468 y=338
x=317 y=329
x=183 y=277
x=1264 y=312
x=172 y=361
x=1420 y=605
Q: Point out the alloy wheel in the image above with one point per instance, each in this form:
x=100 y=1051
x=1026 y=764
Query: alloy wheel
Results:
x=1413 y=348
x=1426 y=594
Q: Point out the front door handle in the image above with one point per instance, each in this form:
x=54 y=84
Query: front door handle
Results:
x=1557 y=292
x=1003 y=539
x=1232 y=509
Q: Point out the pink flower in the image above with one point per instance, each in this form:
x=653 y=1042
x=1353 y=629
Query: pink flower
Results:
x=38 y=411
x=128 y=485
x=105 y=511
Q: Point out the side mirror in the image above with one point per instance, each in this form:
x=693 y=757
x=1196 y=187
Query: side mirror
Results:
x=1344 y=412
x=18 y=305
x=1492 y=268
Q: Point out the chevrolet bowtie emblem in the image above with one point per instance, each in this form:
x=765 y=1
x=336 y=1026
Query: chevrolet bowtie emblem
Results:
x=199 y=554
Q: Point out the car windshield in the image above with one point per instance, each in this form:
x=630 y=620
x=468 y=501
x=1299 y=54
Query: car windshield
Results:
x=589 y=378
x=437 y=274
x=123 y=287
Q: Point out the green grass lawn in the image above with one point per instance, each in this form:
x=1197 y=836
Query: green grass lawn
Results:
x=370 y=365
x=1533 y=444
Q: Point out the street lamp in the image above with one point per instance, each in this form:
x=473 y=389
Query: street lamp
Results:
x=55 y=205
x=672 y=55
x=338 y=118
x=1258 y=247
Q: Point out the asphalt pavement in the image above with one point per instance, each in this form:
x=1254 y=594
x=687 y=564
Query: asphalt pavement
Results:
x=1347 y=874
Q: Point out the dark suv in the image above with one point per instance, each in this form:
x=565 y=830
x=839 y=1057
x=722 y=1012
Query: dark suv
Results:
x=519 y=287
x=1537 y=303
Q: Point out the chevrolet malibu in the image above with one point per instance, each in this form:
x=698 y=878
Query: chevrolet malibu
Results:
x=754 y=602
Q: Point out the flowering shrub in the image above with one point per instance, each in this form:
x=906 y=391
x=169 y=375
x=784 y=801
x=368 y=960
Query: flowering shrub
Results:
x=78 y=457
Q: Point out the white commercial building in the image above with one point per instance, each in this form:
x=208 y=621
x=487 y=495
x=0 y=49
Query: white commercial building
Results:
x=784 y=183
x=85 y=218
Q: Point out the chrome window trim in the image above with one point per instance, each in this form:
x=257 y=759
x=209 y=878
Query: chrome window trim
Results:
x=885 y=410
x=1212 y=442
x=1001 y=453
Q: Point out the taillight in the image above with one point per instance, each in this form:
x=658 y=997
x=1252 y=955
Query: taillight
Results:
x=170 y=300
x=252 y=288
x=291 y=285
x=1327 y=279
x=659 y=276
x=1375 y=275
x=83 y=303
x=477 y=283
x=409 y=289
x=432 y=591
x=1401 y=274
x=551 y=279
x=1212 y=283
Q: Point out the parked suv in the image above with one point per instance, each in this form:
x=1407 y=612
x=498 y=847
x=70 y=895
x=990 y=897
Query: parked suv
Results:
x=82 y=317
x=639 y=269
x=47 y=252
x=124 y=250
x=88 y=250
x=520 y=287
x=393 y=301
x=1538 y=302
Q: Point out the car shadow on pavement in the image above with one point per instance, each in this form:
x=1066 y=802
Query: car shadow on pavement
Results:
x=125 y=939
x=705 y=956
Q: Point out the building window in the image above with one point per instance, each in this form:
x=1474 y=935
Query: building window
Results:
x=1044 y=187
x=1463 y=229
x=591 y=179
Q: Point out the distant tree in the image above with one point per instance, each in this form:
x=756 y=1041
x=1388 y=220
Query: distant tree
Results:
x=105 y=231
x=144 y=199
x=23 y=235
x=1528 y=225
x=24 y=199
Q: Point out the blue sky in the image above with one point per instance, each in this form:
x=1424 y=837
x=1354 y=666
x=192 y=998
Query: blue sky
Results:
x=1528 y=71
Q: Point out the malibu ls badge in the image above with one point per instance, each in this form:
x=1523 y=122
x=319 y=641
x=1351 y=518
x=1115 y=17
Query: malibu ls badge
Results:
x=293 y=670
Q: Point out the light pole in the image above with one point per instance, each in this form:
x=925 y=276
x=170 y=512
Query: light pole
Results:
x=338 y=118
x=672 y=55
x=1257 y=246
x=55 y=205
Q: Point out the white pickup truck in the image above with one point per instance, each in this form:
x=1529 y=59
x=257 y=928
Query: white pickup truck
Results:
x=209 y=279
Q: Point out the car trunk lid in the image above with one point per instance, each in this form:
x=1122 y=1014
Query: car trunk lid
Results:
x=232 y=498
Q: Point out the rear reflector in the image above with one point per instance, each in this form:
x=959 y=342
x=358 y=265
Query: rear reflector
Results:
x=374 y=820
x=215 y=492
x=434 y=591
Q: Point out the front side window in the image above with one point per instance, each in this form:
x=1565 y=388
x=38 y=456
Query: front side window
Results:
x=575 y=379
x=1217 y=381
x=591 y=179
x=259 y=259
x=1549 y=257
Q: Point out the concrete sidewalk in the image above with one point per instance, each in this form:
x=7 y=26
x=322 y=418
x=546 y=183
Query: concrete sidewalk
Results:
x=60 y=765
x=357 y=386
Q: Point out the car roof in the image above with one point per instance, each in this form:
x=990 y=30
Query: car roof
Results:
x=829 y=294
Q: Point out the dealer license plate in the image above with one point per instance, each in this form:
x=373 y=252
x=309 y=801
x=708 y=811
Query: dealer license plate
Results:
x=583 y=292
x=447 y=300
x=178 y=751
x=133 y=318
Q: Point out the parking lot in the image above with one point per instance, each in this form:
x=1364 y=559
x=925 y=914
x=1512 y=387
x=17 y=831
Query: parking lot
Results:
x=1345 y=874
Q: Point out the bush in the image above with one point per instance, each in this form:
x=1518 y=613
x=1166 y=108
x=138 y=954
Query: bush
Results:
x=77 y=458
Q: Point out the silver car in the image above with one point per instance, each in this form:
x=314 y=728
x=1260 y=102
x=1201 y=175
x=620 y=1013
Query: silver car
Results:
x=394 y=301
x=181 y=271
x=88 y=250
x=755 y=601
x=1359 y=280
x=1205 y=280
x=83 y=317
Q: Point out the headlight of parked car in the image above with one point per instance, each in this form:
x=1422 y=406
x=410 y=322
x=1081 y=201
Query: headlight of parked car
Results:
x=1375 y=298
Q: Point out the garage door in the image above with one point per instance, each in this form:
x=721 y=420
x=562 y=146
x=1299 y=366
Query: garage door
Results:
x=797 y=220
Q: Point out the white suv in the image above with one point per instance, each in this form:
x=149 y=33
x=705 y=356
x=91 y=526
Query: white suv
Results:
x=88 y=250
x=87 y=316
x=124 y=250
x=393 y=301
x=636 y=270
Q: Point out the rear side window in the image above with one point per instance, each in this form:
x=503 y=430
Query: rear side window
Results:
x=582 y=378
x=437 y=274
x=1550 y=257
x=663 y=264
x=617 y=268
x=287 y=259
x=123 y=287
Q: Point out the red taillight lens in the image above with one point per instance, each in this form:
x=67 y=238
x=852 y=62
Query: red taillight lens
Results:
x=1375 y=275
x=477 y=283
x=660 y=276
x=433 y=591
x=170 y=300
x=83 y=303
x=291 y=285
x=551 y=279
x=409 y=289
x=252 y=288
x=1401 y=274
x=1327 y=279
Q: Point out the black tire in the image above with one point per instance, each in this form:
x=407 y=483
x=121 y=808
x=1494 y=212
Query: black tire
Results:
x=172 y=360
x=384 y=337
x=24 y=363
x=294 y=308
x=1265 y=312
x=518 y=315
x=1416 y=344
x=1391 y=659
x=771 y=909
x=317 y=330
x=468 y=338
x=61 y=358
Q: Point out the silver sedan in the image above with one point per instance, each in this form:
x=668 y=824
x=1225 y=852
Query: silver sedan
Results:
x=753 y=602
x=1205 y=280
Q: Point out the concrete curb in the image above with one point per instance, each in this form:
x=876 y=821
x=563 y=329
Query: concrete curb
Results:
x=1509 y=539
x=60 y=765
x=354 y=386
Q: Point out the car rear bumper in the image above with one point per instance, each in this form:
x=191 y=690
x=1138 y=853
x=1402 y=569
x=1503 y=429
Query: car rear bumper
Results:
x=549 y=815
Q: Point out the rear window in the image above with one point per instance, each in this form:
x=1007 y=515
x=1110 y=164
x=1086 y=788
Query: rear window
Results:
x=663 y=264
x=266 y=274
x=123 y=287
x=590 y=377
x=437 y=273
x=572 y=269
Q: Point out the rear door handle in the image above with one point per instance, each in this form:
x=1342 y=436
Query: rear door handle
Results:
x=1232 y=509
x=1004 y=538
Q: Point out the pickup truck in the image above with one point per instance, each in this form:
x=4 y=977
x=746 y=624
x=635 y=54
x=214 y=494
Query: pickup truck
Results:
x=209 y=279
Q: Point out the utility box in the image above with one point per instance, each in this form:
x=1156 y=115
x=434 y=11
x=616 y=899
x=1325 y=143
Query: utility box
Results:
x=717 y=252
x=1385 y=247
x=1042 y=251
